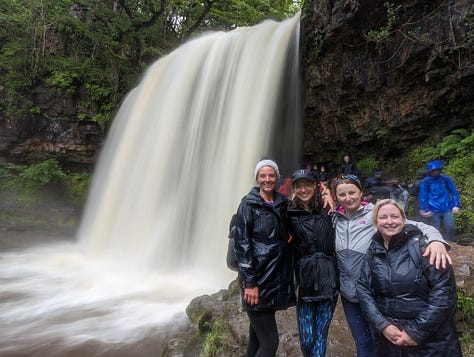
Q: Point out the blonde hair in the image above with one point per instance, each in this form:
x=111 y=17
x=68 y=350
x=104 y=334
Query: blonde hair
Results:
x=380 y=203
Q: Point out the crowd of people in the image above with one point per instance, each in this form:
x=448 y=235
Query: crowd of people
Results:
x=323 y=238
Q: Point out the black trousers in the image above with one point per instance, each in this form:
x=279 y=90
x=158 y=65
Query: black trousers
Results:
x=263 y=334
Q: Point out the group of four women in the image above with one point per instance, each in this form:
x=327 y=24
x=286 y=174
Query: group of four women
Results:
x=279 y=241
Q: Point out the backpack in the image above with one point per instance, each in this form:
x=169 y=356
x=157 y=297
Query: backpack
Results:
x=231 y=259
x=415 y=248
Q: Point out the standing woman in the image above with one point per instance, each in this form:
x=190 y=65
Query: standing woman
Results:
x=354 y=230
x=315 y=263
x=264 y=259
x=409 y=303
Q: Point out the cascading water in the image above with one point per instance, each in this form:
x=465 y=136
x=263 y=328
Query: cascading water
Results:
x=175 y=165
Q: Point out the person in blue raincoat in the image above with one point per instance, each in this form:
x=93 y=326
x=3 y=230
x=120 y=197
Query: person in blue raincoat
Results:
x=439 y=199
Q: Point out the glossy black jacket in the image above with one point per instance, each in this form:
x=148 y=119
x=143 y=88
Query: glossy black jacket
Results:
x=396 y=287
x=315 y=256
x=263 y=252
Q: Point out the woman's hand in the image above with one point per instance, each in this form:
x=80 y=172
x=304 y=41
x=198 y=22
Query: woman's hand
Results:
x=438 y=254
x=392 y=333
x=327 y=199
x=251 y=296
x=405 y=340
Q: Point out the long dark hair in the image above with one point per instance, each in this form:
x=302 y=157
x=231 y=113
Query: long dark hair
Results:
x=316 y=204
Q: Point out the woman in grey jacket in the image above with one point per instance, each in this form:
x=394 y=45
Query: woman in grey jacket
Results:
x=354 y=230
x=409 y=303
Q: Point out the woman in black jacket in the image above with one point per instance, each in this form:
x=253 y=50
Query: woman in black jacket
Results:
x=264 y=259
x=315 y=263
x=408 y=302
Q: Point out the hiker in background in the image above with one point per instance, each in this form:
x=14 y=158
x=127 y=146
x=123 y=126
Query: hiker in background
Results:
x=264 y=257
x=283 y=186
x=323 y=175
x=390 y=187
x=354 y=230
x=371 y=186
x=408 y=302
x=413 y=198
x=348 y=167
x=315 y=263
x=439 y=199
x=316 y=173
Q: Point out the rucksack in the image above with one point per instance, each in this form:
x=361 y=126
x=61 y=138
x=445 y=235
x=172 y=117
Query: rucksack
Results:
x=231 y=259
x=416 y=246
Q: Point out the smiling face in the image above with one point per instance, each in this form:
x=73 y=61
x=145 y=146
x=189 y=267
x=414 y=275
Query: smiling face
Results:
x=349 y=196
x=389 y=220
x=266 y=179
x=304 y=191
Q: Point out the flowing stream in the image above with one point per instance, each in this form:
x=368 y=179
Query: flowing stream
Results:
x=179 y=157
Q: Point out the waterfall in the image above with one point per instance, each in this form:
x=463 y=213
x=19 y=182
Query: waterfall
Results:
x=179 y=157
x=184 y=146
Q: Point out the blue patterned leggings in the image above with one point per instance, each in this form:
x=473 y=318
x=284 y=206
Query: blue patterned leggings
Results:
x=313 y=325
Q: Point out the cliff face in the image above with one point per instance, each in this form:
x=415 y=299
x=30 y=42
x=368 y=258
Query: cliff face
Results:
x=51 y=133
x=364 y=96
x=360 y=96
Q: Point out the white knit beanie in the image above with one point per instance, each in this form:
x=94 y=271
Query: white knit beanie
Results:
x=263 y=163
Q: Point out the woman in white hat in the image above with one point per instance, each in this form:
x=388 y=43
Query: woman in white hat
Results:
x=264 y=259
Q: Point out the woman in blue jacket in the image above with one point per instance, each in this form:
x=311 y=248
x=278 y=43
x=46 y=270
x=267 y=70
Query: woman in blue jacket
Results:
x=409 y=303
x=315 y=263
x=264 y=257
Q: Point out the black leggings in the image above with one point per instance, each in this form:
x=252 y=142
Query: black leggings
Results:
x=263 y=334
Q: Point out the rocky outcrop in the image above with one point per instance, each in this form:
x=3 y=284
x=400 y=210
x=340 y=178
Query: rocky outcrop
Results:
x=364 y=96
x=219 y=317
x=54 y=131
x=73 y=142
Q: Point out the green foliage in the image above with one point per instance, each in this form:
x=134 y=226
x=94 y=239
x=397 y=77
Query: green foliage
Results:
x=366 y=165
x=383 y=33
x=465 y=306
x=76 y=186
x=216 y=337
x=36 y=182
x=101 y=48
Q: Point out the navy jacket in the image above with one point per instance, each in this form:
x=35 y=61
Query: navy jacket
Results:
x=315 y=255
x=396 y=287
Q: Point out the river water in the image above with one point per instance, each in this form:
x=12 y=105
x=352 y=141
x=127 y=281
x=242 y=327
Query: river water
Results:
x=179 y=157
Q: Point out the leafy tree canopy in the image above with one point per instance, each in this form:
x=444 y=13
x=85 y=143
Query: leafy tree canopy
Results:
x=101 y=47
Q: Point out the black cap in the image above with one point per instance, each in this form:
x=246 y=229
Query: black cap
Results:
x=302 y=174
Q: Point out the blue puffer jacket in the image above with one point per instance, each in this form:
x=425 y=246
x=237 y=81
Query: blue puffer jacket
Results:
x=395 y=287
x=263 y=252
x=315 y=255
x=438 y=194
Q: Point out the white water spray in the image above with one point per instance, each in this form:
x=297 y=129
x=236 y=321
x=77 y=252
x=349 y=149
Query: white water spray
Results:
x=176 y=163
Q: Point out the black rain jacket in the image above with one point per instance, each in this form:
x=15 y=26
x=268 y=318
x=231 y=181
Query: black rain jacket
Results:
x=315 y=255
x=263 y=252
x=395 y=287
